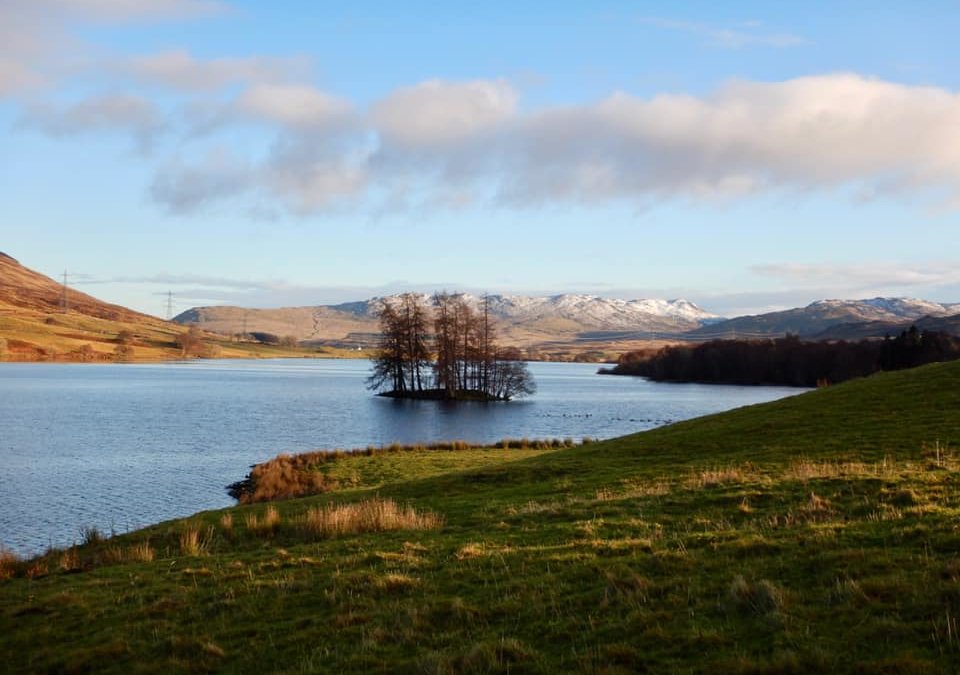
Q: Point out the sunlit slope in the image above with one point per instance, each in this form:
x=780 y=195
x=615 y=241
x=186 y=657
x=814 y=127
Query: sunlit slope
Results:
x=36 y=324
x=812 y=534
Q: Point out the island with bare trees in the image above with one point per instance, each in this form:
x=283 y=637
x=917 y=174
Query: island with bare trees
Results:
x=444 y=348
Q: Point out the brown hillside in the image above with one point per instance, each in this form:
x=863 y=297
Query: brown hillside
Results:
x=34 y=326
x=23 y=288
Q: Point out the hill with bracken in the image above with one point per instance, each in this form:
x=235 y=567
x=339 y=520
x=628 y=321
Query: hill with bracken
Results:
x=41 y=321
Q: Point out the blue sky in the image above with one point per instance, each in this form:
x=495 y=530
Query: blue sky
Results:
x=746 y=156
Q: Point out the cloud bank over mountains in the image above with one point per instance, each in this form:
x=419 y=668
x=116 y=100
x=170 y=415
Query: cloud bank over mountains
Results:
x=456 y=143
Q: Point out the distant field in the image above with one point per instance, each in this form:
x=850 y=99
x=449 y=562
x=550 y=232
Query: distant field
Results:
x=813 y=534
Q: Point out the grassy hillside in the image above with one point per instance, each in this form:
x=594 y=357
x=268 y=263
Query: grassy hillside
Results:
x=34 y=326
x=813 y=534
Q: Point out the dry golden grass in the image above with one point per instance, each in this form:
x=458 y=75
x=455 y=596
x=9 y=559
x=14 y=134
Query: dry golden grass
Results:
x=8 y=564
x=114 y=555
x=805 y=469
x=284 y=477
x=69 y=560
x=194 y=541
x=605 y=494
x=265 y=525
x=371 y=515
x=721 y=475
x=141 y=552
x=226 y=522
x=471 y=550
x=37 y=570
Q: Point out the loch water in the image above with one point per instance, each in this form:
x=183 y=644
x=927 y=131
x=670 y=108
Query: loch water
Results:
x=120 y=446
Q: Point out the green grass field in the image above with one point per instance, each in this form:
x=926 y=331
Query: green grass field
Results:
x=814 y=534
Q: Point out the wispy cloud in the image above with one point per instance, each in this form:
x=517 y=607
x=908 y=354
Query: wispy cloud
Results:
x=187 y=188
x=193 y=289
x=745 y=34
x=864 y=276
x=179 y=69
x=121 y=113
x=797 y=284
x=38 y=40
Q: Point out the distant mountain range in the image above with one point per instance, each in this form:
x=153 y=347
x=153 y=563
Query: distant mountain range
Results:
x=35 y=325
x=521 y=319
x=526 y=320
x=863 y=318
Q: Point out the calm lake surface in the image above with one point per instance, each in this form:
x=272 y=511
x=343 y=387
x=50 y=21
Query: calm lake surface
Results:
x=121 y=446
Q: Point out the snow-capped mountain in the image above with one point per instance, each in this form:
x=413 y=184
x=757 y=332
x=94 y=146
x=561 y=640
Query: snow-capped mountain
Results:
x=518 y=316
x=821 y=315
x=523 y=319
x=886 y=309
x=588 y=312
x=609 y=313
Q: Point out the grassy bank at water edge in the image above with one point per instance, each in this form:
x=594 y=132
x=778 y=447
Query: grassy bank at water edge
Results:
x=813 y=534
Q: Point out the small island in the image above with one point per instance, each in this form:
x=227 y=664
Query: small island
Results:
x=458 y=361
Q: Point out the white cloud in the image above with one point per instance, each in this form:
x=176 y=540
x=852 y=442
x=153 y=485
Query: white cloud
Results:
x=438 y=112
x=296 y=106
x=180 y=70
x=38 y=42
x=112 y=113
x=303 y=172
x=185 y=188
x=436 y=139
x=823 y=131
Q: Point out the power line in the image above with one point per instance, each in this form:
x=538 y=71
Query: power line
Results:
x=169 y=305
x=64 y=301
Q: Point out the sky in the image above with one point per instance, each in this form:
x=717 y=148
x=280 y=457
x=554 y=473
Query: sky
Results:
x=746 y=156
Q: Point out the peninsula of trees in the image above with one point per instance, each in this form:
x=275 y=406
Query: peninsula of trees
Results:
x=788 y=361
x=444 y=350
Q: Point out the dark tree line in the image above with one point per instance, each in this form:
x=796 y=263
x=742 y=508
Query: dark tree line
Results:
x=447 y=350
x=788 y=361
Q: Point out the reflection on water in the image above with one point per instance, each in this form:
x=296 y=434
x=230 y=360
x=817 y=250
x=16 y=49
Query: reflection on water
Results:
x=122 y=446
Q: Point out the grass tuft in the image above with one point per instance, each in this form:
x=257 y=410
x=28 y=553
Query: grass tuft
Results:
x=371 y=515
x=266 y=525
x=760 y=598
x=141 y=552
x=194 y=541
x=69 y=560
x=9 y=563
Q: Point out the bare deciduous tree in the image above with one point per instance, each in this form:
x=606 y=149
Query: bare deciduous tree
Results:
x=467 y=362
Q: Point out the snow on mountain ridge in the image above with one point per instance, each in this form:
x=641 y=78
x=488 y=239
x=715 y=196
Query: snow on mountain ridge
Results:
x=595 y=310
x=884 y=309
x=591 y=311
